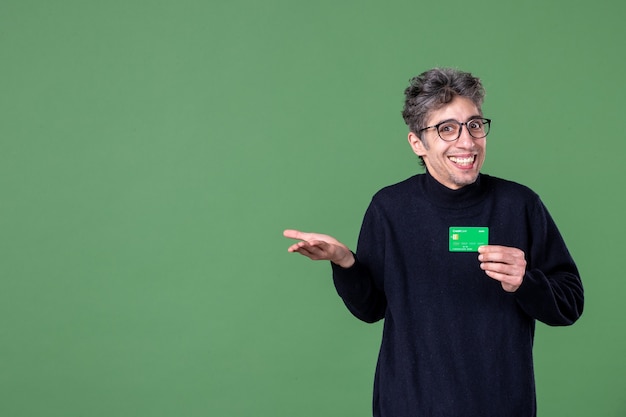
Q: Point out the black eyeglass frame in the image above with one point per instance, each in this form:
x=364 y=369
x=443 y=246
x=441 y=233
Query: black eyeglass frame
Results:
x=483 y=119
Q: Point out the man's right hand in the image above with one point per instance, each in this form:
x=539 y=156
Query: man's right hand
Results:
x=317 y=246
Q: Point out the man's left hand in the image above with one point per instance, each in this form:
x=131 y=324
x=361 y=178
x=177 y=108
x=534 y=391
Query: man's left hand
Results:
x=504 y=264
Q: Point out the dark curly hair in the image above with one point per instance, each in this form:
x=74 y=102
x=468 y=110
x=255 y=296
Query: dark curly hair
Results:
x=434 y=89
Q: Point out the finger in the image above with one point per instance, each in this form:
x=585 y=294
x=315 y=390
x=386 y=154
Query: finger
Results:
x=293 y=234
x=502 y=269
x=495 y=267
x=308 y=246
x=493 y=248
x=509 y=283
x=305 y=252
x=503 y=278
x=315 y=252
x=295 y=247
x=498 y=249
x=496 y=275
x=501 y=254
x=494 y=257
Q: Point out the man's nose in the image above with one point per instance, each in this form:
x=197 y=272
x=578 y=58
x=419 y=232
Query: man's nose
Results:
x=465 y=140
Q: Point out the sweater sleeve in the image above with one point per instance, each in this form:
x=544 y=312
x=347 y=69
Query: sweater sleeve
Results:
x=359 y=286
x=551 y=291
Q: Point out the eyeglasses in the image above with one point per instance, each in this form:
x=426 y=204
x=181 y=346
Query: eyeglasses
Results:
x=450 y=130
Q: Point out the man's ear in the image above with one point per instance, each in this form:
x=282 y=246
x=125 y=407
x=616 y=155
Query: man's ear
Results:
x=416 y=144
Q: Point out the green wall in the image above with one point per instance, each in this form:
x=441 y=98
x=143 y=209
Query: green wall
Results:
x=152 y=152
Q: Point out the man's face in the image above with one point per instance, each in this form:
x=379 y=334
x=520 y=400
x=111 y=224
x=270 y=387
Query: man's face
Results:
x=454 y=164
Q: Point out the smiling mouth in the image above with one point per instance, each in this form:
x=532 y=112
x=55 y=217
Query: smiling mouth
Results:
x=463 y=162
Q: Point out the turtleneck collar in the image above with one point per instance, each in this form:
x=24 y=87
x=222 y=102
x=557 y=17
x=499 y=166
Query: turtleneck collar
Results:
x=442 y=196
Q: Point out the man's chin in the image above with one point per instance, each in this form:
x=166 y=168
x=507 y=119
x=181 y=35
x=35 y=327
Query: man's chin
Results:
x=465 y=180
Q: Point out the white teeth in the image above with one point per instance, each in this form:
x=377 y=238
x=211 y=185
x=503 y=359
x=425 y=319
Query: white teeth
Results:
x=462 y=161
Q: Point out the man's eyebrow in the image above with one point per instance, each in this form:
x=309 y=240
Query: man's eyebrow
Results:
x=477 y=116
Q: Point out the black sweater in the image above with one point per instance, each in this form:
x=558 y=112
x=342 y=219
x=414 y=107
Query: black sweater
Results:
x=454 y=342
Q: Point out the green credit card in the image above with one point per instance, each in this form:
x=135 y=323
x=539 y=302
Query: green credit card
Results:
x=468 y=239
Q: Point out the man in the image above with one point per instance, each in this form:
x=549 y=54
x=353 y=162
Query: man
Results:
x=458 y=263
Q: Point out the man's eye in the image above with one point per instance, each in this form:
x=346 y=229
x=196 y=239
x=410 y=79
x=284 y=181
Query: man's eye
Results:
x=475 y=124
x=448 y=127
